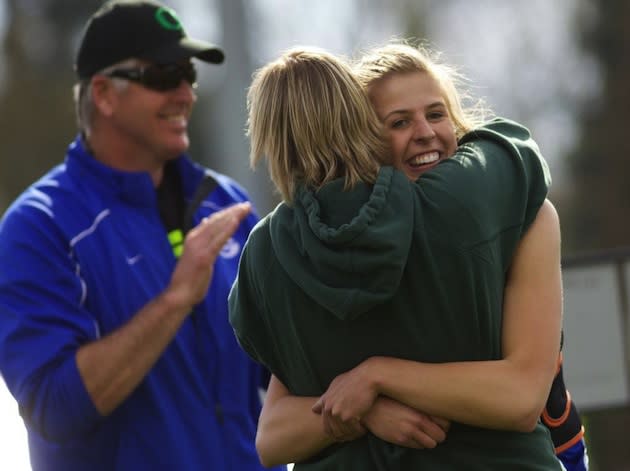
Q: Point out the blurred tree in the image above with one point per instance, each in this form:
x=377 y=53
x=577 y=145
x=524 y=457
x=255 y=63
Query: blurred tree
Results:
x=408 y=17
x=218 y=129
x=598 y=216
x=600 y=165
x=37 y=121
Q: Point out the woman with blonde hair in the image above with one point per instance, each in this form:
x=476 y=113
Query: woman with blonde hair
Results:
x=355 y=272
x=354 y=147
x=385 y=68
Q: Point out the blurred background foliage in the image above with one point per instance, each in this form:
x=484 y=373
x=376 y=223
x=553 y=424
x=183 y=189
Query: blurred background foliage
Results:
x=562 y=68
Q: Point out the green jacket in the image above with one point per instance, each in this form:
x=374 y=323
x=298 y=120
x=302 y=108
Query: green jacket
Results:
x=402 y=269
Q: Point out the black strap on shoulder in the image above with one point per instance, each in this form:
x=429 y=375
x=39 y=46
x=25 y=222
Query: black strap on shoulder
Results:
x=206 y=186
x=170 y=198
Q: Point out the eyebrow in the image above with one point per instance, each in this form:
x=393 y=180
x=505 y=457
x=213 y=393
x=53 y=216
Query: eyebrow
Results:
x=395 y=112
x=436 y=104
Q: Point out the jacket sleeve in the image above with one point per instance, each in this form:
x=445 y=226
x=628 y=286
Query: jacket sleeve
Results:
x=42 y=325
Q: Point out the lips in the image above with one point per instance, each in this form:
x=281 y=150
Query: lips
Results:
x=423 y=159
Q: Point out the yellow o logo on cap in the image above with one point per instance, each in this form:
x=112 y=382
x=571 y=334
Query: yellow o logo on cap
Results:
x=167 y=18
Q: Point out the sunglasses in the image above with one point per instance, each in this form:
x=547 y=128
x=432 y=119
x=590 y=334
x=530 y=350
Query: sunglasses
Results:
x=159 y=77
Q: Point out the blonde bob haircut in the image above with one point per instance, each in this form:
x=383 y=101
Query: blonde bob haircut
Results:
x=404 y=57
x=313 y=122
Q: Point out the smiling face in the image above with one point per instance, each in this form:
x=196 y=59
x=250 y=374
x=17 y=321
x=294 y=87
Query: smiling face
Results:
x=140 y=128
x=156 y=120
x=416 y=120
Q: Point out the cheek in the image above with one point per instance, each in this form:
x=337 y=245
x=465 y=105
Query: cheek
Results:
x=452 y=146
x=397 y=144
x=449 y=140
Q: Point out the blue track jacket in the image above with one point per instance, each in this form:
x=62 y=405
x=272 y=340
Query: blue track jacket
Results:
x=81 y=251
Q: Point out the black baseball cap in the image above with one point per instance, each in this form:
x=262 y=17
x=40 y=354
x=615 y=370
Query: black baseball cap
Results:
x=142 y=29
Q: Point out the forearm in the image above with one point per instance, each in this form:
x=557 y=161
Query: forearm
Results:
x=288 y=431
x=493 y=394
x=112 y=367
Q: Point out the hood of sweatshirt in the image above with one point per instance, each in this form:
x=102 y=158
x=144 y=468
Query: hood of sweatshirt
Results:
x=347 y=249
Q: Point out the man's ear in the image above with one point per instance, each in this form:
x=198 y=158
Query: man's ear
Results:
x=104 y=94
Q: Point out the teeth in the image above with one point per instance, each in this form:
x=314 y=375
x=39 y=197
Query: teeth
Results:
x=424 y=159
x=176 y=118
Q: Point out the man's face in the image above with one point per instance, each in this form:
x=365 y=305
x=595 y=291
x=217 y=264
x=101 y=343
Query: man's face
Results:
x=152 y=124
x=416 y=121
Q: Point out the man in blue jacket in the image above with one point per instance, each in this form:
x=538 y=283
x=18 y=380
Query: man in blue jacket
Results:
x=115 y=269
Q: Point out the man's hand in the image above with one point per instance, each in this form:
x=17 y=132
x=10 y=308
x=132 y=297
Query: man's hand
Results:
x=113 y=366
x=193 y=273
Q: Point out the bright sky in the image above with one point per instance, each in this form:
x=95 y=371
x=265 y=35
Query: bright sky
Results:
x=13 y=447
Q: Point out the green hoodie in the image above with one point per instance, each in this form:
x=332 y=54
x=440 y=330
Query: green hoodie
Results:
x=402 y=269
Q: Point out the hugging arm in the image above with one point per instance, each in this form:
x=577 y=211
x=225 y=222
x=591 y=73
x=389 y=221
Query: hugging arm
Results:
x=289 y=431
x=501 y=394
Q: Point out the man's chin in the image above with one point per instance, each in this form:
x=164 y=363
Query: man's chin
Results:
x=179 y=146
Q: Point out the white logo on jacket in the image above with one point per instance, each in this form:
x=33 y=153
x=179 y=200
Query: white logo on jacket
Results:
x=133 y=260
x=231 y=249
